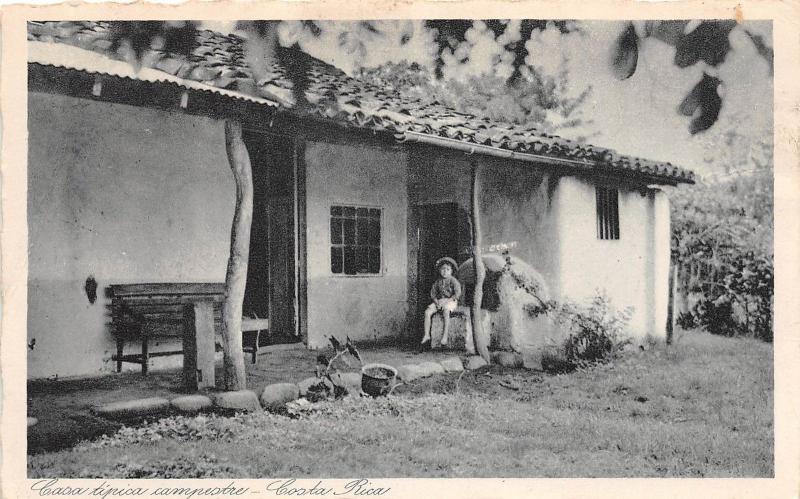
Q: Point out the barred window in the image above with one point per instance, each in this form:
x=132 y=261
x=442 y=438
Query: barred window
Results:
x=355 y=240
x=607 y=213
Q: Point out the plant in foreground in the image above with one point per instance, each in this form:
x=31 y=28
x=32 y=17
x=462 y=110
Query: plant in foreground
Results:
x=326 y=387
x=595 y=334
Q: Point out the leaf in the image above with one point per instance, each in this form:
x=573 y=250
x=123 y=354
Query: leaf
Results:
x=626 y=53
x=704 y=103
x=335 y=343
x=764 y=50
x=352 y=349
x=708 y=42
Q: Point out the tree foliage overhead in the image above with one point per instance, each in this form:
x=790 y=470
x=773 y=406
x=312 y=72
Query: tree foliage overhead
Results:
x=532 y=100
x=705 y=42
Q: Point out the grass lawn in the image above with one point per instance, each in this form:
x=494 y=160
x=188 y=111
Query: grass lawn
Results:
x=700 y=408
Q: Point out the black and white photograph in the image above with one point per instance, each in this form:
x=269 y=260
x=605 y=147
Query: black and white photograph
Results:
x=372 y=249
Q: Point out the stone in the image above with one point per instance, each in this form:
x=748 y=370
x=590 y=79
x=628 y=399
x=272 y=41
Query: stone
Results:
x=474 y=362
x=32 y=421
x=132 y=408
x=452 y=365
x=349 y=381
x=191 y=403
x=242 y=400
x=277 y=395
x=304 y=385
x=409 y=372
x=507 y=359
x=430 y=368
x=459 y=336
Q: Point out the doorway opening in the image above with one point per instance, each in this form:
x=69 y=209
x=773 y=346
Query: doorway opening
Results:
x=443 y=231
x=273 y=271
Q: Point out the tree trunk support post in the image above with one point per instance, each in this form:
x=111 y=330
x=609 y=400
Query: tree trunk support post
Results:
x=480 y=336
x=236 y=275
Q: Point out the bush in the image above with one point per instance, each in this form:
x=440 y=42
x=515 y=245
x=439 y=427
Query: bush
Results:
x=722 y=233
x=595 y=334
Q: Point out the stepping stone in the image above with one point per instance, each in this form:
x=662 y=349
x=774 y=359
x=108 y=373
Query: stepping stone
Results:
x=430 y=368
x=277 y=395
x=32 y=421
x=507 y=359
x=132 y=408
x=474 y=362
x=191 y=403
x=452 y=365
x=242 y=400
x=304 y=385
x=409 y=372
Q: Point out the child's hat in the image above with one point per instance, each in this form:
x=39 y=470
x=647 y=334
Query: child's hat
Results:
x=448 y=260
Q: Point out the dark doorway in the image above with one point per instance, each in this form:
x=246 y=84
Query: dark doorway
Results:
x=443 y=231
x=271 y=290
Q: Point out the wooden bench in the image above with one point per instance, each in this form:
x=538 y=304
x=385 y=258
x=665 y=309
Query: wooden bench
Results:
x=144 y=311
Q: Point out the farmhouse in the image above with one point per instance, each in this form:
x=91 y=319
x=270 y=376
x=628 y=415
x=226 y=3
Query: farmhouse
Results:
x=354 y=197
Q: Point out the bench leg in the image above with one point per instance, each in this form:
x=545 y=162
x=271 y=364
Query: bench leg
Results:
x=145 y=356
x=120 y=347
x=255 y=349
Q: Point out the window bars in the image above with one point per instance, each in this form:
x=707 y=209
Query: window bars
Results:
x=355 y=240
x=607 y=213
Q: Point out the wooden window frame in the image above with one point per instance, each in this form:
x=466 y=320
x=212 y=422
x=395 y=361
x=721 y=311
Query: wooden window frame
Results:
x=607 y=213
x=369 y=246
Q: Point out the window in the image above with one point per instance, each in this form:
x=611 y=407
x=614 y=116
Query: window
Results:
x=355 y=240
x=607 y=213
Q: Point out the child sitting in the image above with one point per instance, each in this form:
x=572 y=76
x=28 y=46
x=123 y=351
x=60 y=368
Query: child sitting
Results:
x=445 y=293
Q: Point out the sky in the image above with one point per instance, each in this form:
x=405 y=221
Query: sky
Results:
x=637 y=116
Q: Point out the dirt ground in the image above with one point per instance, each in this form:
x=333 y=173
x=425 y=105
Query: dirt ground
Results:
x=63 y=407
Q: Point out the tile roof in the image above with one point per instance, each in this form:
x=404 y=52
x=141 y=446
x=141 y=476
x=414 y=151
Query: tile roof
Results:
x=217 y=64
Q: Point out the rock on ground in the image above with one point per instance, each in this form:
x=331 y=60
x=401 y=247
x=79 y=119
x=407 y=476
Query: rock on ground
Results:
x=409 y=372
x=474 y=362
x=191 y=403
x=278 y=394
x=32 y=421
x=304 y=385
x=507 y=359
x=132 y=408
x=430 y=368
x=242 y=400
x=452 y=364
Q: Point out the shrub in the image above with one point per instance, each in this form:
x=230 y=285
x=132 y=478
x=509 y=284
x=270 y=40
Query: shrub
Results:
x=722 y=233
x=595 y=334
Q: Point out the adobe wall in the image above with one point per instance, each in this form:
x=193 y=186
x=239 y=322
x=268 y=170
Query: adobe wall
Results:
x=633 y=269
x=124 y=194
x=361 y=306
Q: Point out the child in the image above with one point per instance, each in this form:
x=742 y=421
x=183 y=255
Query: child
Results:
x=445 y=293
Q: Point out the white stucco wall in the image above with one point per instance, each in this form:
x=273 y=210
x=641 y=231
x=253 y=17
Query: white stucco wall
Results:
x=366 y=306
x=124 y=194
x=661 y=257
x=632 y=269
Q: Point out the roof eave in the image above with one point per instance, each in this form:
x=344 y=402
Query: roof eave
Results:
x=572 y=164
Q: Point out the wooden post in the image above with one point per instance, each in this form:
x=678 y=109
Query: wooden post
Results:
x=198 y=345
x=481 y=336
x=671 y=308
x=236 y=275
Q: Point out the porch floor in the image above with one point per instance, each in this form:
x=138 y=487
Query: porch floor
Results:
x=63 y=407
